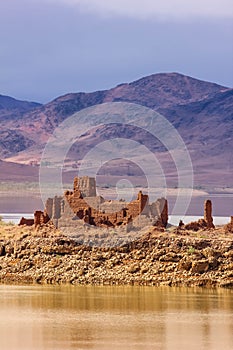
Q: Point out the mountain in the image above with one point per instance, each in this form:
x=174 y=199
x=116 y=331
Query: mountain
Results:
x=10 y=103
x=201 y=111
x=209 y=122
x=155 y=91
x=12 y=140
x=12 y=109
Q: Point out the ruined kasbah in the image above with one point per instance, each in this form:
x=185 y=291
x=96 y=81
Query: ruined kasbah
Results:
x=82 y=205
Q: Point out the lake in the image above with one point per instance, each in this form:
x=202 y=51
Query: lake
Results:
x=222 y=205
x=173 y=219
x=113 y=318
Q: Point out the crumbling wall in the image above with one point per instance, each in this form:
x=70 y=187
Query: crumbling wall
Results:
x=85 y=184
x=49 y=207
x=162 y=210
x=139 y=206
x=76 y=202
x=159 y=210
x=40 y=218
x=208 y=214
x=105 y=213
x=27 y=222
x=229 y=227
x=54 y=209
x=206 y=223
x=82 y=203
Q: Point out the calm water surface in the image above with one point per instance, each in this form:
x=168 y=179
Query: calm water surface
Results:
x=173 y=219
x=222 y=205
x=115 y=318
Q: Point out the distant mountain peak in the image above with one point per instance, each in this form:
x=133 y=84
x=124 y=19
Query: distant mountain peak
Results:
x=201 y=111
x=10 y=103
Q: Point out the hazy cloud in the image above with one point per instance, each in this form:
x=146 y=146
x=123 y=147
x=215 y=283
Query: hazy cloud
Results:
x=154 y=8
x=51 y=47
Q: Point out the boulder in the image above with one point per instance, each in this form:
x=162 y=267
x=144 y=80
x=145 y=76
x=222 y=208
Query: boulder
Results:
x=200 y=266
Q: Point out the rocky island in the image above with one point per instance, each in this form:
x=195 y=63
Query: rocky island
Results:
x=76 y=249
x=173 y=257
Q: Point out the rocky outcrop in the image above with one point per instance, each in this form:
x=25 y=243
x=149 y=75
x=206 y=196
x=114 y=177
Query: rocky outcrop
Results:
x=46 y=256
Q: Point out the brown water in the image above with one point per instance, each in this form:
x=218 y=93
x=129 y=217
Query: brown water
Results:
x=115 y=318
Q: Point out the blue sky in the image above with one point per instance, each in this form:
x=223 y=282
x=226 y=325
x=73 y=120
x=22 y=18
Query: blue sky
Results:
x=51 y=47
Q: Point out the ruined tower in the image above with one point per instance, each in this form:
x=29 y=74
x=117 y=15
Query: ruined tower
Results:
x=208 y=214
x=86 y=185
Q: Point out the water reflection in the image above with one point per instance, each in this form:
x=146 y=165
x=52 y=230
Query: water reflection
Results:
x=68 y=317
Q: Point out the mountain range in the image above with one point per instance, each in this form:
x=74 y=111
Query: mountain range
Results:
x=202 y=112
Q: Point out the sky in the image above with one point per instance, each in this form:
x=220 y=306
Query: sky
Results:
x=53 y=47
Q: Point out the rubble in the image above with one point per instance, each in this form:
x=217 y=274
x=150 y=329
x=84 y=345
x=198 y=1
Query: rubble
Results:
x=46 y=256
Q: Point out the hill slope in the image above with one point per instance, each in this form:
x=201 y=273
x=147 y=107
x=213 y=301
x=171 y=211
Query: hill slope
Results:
x=201 y=112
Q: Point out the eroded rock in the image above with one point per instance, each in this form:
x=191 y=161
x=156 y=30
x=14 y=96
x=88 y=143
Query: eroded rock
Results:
x=200 y=266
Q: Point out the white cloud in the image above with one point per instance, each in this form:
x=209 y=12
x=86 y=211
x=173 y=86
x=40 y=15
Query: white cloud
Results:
x=156 y=8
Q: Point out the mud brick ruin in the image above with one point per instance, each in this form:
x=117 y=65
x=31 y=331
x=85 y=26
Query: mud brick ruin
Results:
x=229 y=227
x=207 y=222
x=27 y=222
x=208 y=214
x=40 y=218
x=83 y=204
